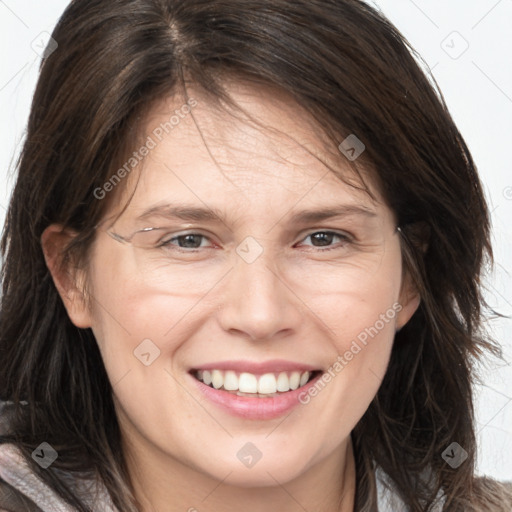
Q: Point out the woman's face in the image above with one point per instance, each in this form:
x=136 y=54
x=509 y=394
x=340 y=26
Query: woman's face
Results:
x=257 y=297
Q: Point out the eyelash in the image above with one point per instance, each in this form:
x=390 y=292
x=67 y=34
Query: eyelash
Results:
x=345 y=239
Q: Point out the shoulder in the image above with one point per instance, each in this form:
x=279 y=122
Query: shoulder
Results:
x=489 y=495
x=12 y=500
x=493 y=495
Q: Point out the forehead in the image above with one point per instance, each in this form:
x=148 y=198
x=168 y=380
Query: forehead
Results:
x=261 y=160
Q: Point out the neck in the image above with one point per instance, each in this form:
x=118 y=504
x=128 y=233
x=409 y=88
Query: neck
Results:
x=163 y=484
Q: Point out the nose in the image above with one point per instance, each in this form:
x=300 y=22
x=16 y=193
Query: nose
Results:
x=257 y=300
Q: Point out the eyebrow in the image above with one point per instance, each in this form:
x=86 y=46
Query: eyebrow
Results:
x=199 y=214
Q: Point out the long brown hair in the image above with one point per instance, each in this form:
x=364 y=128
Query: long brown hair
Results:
x=348 y=67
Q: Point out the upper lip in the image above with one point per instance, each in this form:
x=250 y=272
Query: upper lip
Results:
x=257 y=367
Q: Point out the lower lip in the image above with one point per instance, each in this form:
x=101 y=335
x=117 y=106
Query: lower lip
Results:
x=253 y=408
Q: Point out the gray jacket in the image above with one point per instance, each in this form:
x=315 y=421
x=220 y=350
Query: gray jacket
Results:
x=22 y=491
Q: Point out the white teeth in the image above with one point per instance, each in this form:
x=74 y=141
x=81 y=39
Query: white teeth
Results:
x=267 y=383
x=248 y=384
x=217 y=379
x=294 y=380
x=283 y=383
x=207 y=377
x=230 y=381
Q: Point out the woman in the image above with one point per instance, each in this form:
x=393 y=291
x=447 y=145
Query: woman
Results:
x=242 y=264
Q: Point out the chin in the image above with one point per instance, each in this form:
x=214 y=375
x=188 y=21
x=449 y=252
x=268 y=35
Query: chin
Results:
x=262 y=474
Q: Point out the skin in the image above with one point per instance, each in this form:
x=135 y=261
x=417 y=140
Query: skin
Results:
x=294 y=302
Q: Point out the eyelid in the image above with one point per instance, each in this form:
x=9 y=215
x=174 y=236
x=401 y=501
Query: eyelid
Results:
x=346 y=238
x=342 y=234
x=198 y=231
x=177 y=234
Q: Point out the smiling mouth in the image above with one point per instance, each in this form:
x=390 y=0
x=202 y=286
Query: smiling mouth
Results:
x=267 y=385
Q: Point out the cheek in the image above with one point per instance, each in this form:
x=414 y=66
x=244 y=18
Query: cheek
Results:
x=364 y=303
x=139 y=332
x=142 y=333
x=360 y=322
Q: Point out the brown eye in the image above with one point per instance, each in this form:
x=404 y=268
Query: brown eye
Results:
x=326 y=238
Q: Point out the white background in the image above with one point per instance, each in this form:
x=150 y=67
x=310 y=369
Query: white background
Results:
x=477 y=85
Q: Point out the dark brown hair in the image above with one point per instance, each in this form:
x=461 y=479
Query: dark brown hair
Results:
x=348 y=67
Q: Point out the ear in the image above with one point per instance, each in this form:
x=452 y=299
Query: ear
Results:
x=409 y=301
x=68 y=279
x=418 y=239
